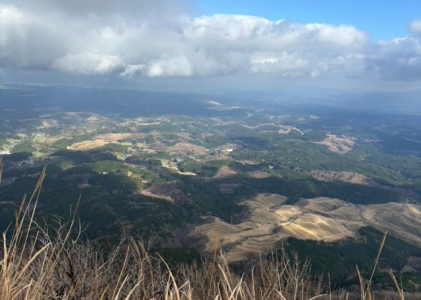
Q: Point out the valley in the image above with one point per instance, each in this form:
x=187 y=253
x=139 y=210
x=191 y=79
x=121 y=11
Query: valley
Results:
x=241 y=174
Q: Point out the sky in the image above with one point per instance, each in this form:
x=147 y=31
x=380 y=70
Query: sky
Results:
x=213 y=45
x=381 y=19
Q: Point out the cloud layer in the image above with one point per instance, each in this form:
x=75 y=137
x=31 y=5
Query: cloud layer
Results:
x=140 y=38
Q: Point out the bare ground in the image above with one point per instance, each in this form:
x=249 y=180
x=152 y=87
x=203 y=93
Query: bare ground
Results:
x=259 y=174
x=174 y=167
x=183 y=148
x=318 y=219
x=338 y=144
x=350 y=177
x=167 y=191
x=114 y=137
x=148 y=193
x=287 y=129
x=225 y=172
x=87 y=145
x=228 y=188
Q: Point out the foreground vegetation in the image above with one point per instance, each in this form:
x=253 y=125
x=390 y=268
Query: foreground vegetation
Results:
x=38 y=263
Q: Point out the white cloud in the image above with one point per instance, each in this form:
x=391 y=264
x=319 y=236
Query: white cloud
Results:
x=132 y=70
x=415 y=27
x=88 y=63
x=342 y=36
x=287 y=64
x=169 y=66
x=246 y=32
x=160 y=39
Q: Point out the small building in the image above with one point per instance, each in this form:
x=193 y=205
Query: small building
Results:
x=229 y=150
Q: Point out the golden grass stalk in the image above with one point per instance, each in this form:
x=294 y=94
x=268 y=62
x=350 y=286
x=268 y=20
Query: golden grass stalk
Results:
x=377 y=260
x=12 y=265
x=365 y=287
x=1 y=167
x=399 y=288
x=215 y=253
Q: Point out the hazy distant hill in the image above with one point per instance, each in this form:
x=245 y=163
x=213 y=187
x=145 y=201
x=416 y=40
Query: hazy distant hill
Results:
x=391 y=102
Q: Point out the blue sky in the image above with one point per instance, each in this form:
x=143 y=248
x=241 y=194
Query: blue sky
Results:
x=383 y=20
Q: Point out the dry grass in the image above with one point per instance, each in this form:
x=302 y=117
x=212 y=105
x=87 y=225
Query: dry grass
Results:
x=259 y=174
x=225 y=172
x=36 y=266
x=149 y=193
x=87 y=145
x=39 y=264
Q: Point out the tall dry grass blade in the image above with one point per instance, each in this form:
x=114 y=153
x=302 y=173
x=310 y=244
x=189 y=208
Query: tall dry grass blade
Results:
x=226 y=283
x=399 y=288
x=38 y=186
x=75 y=287
x=174 y=282
x=253 y=285
x=132 y=291
x=142 y=269
x=104 y=292
x=1 y=167
x=237 y=290
x=360 y=278
x=31 y=220
x=27 y=297
x=5 y=287
x=11 y=258
x=17 y=237
x=148 y=259
x=282 y=296
x=19 y=211
x=215 y=253
x=123 y=268
x=189 y=294
x=318 y=296
x=77 y=206
x=22 y=272
x=376 y=262
x=121 y=287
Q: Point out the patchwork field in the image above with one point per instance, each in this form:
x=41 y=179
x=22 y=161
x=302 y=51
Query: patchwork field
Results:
x=87 y=145
x=40 y=139
x=114 y=137
x=318 y=219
